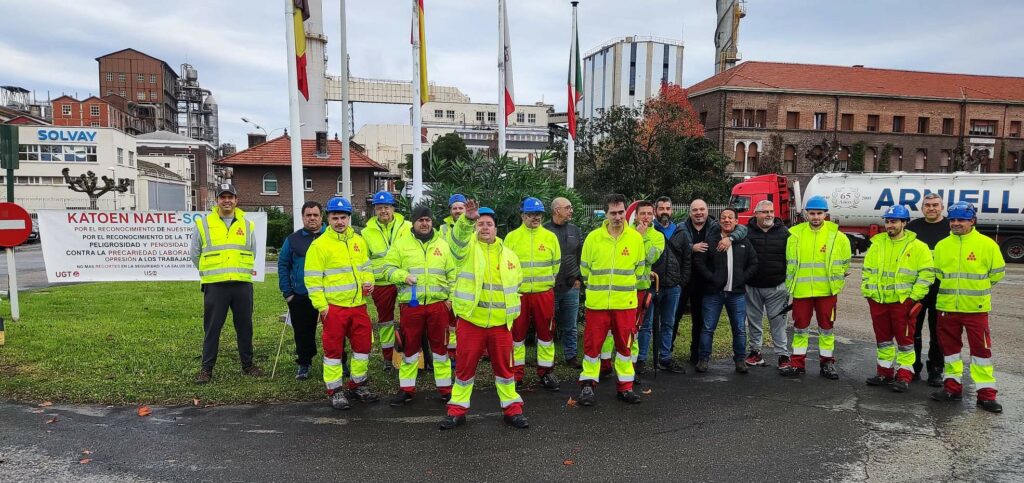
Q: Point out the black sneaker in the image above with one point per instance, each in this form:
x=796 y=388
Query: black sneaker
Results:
x=828 y=371
x=302 y=373
x=702 y=365
x=670 y=365
x=945 y=396
x=339 y=401
x=991 y=406
x=450 y=422
x=518 y=421
x=574 y=363
x=400 y=399
x=550 y=382
x=253 y=370
x=935 y=379
x=792 y=371
x=444 y=398
x=640 y=368
x=628 y=397
x=877 y=380
x=900 y=386
x=204 y=376
x=363 y=394
x=586 y=397
x=741 y=367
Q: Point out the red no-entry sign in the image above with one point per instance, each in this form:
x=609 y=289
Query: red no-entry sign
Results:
x=15 y=225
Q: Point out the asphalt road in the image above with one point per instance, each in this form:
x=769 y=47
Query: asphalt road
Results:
x=718 y=426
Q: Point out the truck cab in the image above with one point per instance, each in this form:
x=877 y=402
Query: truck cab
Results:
x=751 y=191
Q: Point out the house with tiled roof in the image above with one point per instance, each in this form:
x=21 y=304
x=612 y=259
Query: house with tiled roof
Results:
x=262 y=173
x=901 y=120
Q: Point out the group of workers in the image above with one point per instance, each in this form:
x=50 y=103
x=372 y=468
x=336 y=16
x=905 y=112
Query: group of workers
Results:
x=464 y=294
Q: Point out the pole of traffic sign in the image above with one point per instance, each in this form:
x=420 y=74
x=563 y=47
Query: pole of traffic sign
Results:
x=12 y=275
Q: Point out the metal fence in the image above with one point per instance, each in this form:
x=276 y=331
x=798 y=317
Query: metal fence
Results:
x=681 y=211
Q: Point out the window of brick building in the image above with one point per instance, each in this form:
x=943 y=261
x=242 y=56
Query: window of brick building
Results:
x=872 y=122
x=341 y=186
x=759 y=117
x=983 y=127
x=820 y=121
x=65 y=110
x=152 y=78
x=748 y=118
x=846 y=122
x=737 y=118
x=141 y=95
x=110 y=77
x=922 y=125
x=1014 y=129
x=920 y=160
x=752 y=155
x=308 y=180
x=141 y=78
x=947 y=125
x=789 y=159
x=270 y=183
x=792 y=120
x=94 y=110
x=898 y=123
x=944 y=158
x=844 y=159
x=120 y=77
x=438 y=113
x=739 y=156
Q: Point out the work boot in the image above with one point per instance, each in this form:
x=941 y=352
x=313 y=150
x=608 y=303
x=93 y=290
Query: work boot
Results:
x=520 y=386
x=702 y=365
x=518 y=421
x=935 y=379
x=877 y=380
x=640 y=368
x=444 y=398
x=828 y=370
x=670 y=365
x=741 y=366
x=586 y=397
x=900 y=386
x=916 y=376
x=991 y=406
x=755 y=359
x=302 y=373
x=792 y=371
x=450 y=422
x=389 y=367
x=401 y=398
x=573 y=362
x=945 y=396
x=628 y=397
x=204 y=376
x=363 y=394
x=253 y=370
x=339 y=401
x=550 y=382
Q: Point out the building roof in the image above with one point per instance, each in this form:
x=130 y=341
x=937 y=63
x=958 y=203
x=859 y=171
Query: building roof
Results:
x=10 y=115
x=157 y=171
x=167 y=137
x=168 y=67
x=277 y=152
x=810 y=78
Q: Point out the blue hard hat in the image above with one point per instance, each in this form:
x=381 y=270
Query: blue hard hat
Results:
x=383 y=198
x=817 y=202
x=962 y=210
x=456 y=198
x=485 y=211
x=532 y=205
x=339 y=204
x=897 y=212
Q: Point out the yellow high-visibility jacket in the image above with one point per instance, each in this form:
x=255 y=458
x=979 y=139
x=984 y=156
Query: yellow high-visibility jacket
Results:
x=610 y=267
x=432 y=264
x=895 y=270
x=337 y=266
x=487 y=285
x=968 y=267
x=380 y=238
x=816 y=260
x=539 y=254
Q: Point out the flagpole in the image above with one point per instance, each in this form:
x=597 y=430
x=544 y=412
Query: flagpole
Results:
x=293 y=117
x=346 y=129
x=417 y=118
x=570 y=158
x=501 y=78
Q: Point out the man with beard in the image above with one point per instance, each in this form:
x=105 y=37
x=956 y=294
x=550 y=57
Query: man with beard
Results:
x=766 y=290
x=673 y=269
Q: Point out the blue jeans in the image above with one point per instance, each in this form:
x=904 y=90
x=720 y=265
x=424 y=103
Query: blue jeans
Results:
x=736 y=306
x=665 y=303
x=567 y=308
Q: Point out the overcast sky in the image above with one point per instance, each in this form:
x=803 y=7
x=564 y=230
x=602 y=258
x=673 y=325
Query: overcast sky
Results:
x=50 y=46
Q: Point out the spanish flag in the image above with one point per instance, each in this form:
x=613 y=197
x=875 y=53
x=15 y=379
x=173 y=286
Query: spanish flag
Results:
x=421 y=39
x=301 y=14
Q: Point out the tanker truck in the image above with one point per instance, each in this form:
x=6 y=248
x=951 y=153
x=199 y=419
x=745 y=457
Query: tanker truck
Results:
x=857 y=201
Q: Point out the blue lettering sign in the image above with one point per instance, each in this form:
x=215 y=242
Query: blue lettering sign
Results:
x=909 y=198
x=65 y=135
x=884 y=199
x=970 y=196
x=985 y=208
x=1006 y=208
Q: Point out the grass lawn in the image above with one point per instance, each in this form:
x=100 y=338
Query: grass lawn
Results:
x=139 y=342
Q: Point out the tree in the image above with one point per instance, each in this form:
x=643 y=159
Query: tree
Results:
x=771 y=161
x=446 y=148
x=883 y=159
x=87 y=183
x=824 y=157
x=857 y=156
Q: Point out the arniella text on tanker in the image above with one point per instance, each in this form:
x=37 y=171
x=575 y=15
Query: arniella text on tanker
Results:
x=987 y=201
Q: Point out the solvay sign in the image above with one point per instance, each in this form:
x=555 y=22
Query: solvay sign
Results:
x=76 y=135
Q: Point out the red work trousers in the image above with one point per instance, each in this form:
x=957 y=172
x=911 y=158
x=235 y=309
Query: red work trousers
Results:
x=473 y=342
x=606 y=357
x=979 y=339
x=892 y=321
x=538 y=311
x=432 y=319
x=824 y=310
x=621 y=324
x=352 y=323
x=384 y=298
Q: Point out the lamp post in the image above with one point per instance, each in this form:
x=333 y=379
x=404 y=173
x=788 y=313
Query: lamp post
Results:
x=257 y=126
x=113 y=175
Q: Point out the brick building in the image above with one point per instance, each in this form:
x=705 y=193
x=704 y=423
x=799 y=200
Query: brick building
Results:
x=262 y=173
x=918 y=118
x=110 y=111
x=147 y=81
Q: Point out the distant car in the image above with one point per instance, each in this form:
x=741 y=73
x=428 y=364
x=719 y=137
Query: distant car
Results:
x=34 y=235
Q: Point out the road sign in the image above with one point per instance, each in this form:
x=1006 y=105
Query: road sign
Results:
x=15 y=225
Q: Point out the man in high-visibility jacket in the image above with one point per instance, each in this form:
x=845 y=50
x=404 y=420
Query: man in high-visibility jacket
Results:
x=486 y=302
x=613 y=259
x=223 y=245
x=423 y=267
x=897 y=274
x=540 y=256
x=381 y=232
x=456 y=207
x=968 y=264
x=817 y=258
x=338 y=277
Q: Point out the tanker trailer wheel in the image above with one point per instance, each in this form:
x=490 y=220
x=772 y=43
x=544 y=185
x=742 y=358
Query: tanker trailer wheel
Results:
x=1013 y=249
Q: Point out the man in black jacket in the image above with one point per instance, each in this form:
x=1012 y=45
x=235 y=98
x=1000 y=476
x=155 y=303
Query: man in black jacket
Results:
x=673 y=269
x=930 y=229
x=567 y=282
x=766 y=290
x=726 y=274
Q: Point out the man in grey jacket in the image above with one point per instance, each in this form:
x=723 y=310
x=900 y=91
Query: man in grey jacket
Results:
x=766 y=290
x=567 y=282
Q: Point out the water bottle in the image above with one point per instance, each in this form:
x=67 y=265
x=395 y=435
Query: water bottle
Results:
x=415 y=302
